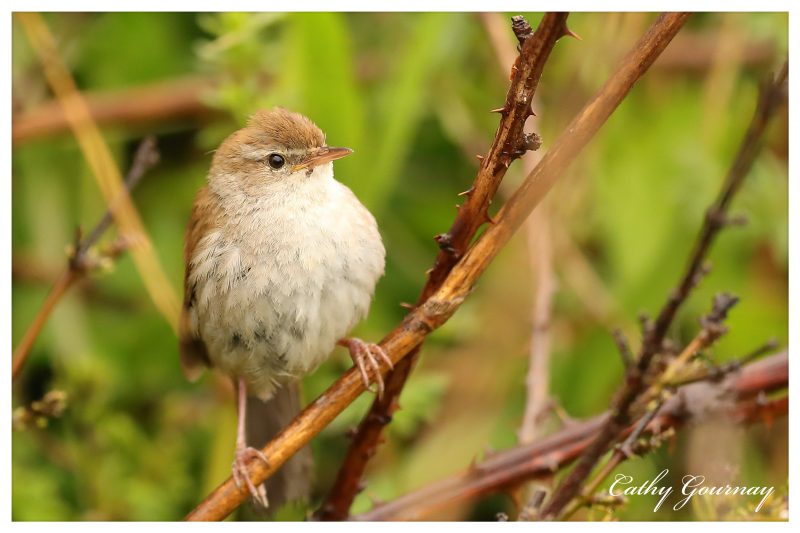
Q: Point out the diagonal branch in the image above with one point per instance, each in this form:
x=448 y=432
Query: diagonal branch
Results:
x=772 y=96
x=510 y=142
x=548 y=454
x=437 y=309
x=80 y=263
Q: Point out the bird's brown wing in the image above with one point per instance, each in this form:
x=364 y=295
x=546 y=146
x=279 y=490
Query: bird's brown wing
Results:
x=194 y=356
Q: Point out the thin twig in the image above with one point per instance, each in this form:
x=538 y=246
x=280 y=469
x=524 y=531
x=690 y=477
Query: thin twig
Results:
x=771 y=97
x=437 y=309
x=79 y=263
x=64 y=282
x=718 y=372
x=713 y=328
x=101 y=162
x=540 y=259
x=549 y=454
x=510 y=142
x=537 y=379
x=145 y=158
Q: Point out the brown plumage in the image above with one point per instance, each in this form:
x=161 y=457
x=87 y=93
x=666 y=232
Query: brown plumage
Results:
x=194 y=356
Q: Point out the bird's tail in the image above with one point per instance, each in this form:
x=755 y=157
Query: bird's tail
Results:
x=264 y=420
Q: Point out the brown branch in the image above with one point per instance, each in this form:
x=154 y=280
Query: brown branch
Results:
x=541 y=458
x=23 y=349
x=437 y=309
x=772 y=95
x=80 y=262
x=138 y=106
x=509 y=143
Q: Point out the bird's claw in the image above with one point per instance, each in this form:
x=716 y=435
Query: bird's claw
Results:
x=367 y=353
x=240 y=474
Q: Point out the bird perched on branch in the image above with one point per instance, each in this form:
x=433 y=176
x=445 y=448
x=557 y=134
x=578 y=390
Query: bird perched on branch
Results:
x=281 y=263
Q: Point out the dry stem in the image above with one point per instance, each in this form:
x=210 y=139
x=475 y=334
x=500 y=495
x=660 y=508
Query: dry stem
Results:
x=80 y=263
x=772 y=95
x=104 y=169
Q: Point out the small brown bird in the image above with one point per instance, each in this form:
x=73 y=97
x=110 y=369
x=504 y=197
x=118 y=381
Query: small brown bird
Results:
x=281 y=263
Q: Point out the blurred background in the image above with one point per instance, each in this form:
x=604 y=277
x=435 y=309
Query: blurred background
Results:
x=411 y=94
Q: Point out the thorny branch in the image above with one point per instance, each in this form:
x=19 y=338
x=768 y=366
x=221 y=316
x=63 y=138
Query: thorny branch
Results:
x=437 y=309
x=542 y=458
x=80 y=261
x=771 y=97
x=510 y=142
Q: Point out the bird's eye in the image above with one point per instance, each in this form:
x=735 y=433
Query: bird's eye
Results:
x=276 y=161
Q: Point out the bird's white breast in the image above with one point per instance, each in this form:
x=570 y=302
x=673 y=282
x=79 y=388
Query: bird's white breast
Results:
x=284 y=277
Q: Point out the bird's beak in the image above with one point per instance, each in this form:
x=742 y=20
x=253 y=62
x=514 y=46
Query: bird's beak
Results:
x=322 y=155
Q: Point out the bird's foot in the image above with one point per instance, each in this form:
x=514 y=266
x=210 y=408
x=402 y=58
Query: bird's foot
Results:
x=368 y=354
x=242 y=475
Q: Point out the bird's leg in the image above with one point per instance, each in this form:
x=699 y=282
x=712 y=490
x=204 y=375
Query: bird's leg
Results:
x=245 y=453
x=367 y=354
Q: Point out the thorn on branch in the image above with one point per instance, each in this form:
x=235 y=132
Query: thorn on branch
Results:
x=468 y=192
x=566 y=32
x=381 y=419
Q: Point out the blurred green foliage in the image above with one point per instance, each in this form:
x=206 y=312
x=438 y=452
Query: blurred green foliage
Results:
x=410 y=93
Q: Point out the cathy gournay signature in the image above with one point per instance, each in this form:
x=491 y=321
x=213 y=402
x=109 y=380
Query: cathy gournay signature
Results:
x=691 y=486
